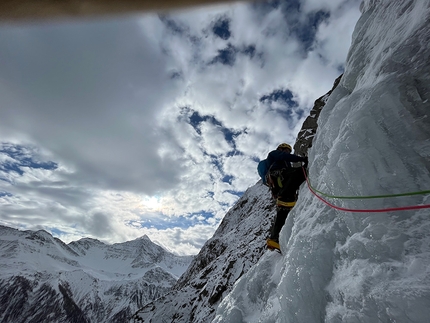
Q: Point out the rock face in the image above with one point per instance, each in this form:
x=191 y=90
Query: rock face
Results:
x=44 y=280
x=235 y=247
x=309 y=128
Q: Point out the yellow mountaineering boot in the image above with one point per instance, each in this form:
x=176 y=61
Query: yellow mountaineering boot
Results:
x=272 y=244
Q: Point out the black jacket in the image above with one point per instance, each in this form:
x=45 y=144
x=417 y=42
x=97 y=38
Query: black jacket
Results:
x=278 y=159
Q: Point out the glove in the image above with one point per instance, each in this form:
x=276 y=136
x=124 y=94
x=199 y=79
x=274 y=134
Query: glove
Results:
x=305 y=161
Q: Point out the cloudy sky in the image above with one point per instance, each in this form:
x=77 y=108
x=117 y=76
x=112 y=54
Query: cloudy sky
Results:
x=153 y=124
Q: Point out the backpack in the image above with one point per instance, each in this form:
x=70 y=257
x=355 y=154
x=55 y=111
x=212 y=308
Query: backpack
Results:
x=263 y=168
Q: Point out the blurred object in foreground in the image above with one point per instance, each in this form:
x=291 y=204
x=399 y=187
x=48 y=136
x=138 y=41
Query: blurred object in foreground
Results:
x=43 y=9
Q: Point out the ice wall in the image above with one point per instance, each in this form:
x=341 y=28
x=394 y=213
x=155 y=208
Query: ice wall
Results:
x=373 y=138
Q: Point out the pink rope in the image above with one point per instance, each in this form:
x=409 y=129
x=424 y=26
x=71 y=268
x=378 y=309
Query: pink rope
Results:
x=403 y=208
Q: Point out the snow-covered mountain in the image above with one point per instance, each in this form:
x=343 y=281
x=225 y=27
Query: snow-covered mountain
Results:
x=372 y=138
x=43 y=279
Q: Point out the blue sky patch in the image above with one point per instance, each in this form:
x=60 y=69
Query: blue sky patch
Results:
x=249 y=50
x=306 y=32
x=229 y=135
x=226 y=56
x=196 y=119
x=234 y=153
x=176 y=75
x=221 y=28
x=303 y=29
x=280 y=95
x=57 y=232
x=205 y=215
x=183 y=221
x=227 y=179
x=21 y=157
x=285 y=98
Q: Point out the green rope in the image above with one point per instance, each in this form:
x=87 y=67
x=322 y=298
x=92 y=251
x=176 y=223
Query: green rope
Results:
x=369 y=197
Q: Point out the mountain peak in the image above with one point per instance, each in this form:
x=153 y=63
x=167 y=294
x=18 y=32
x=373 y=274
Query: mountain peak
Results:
x=37 y=266
x=41 y=236
x=145 y=238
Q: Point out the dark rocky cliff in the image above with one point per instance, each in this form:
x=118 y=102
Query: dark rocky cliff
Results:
x=309 y=128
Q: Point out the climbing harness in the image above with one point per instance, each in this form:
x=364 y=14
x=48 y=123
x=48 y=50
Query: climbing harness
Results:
x=403 y=208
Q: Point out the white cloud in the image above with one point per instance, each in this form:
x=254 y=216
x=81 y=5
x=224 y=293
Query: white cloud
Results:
x=329 y=5
x=333 y=49
x=214 y=142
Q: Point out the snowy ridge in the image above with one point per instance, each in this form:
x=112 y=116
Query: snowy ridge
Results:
x=84 y=281
x=236 y=246
x=372 y=139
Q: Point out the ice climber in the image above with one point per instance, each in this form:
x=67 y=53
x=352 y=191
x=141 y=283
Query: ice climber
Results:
x=283 y=180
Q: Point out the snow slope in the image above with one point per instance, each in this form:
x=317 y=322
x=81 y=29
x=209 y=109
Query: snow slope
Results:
x=373 y=138
x=44 y=280
x=236 y=246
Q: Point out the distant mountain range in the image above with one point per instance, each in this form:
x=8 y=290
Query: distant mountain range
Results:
x=42 y=279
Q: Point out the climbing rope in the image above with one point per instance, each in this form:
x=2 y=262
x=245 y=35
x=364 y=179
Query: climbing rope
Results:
x=403 y=208
x=365 y=197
